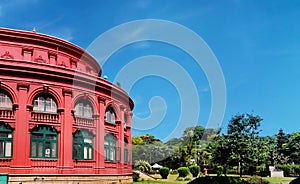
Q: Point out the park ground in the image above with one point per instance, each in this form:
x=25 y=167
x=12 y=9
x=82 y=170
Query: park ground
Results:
x=172 y=180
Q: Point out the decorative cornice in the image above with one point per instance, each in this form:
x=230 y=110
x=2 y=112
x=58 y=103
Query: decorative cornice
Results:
x=67 y=91
x=23 y=85
x=6 y=55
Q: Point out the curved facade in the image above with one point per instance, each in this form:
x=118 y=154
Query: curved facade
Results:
x=57 y=117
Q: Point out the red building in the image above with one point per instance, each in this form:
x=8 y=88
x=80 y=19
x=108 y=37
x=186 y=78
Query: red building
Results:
x=59 y=120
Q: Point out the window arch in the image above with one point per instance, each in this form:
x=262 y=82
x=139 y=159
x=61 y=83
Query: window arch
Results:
x=83 y=142
x=6 y=141
x=110 y=115
x=110 y=145
x=45 y=103
x=43 y=142
x=5 y=100
x=83 y=109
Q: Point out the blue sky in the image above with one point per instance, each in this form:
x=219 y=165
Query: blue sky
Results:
x=257 y=45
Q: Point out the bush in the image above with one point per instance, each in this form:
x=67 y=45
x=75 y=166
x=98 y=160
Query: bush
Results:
x=194 y=169
x=287 y=169
x=218 y=179
x=183 y=171
x=135 y=176
x=164 y=172
x=295 y=181
x=219 y=170
x=297 y=169
x=257 y=180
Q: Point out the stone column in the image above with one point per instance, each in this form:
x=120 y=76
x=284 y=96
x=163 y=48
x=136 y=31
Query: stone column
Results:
x=100 y=133
x=21 y=139
x=66 y=137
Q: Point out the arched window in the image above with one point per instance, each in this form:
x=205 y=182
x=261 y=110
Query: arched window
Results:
x=125 y=120
x=5 y=101
x=110 y=146
x=83 y=110
x=83 y=145
x=110 y=115
x=43 y=141
x=126 y=159
x=6 y=141
x=44 y=103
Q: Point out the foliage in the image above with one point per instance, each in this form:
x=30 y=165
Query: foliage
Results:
x=297 y=169
x=142 y=165
x=241 y=144
x=164 y=172
x=219 y=170
x=218 y=179
x=287 y=169
x=256 y=180
x=135 y=176
x=295 y=181
x=153 y=153
x=292 y=148
x=195 y=170
x=183 y=171
x=282 y=140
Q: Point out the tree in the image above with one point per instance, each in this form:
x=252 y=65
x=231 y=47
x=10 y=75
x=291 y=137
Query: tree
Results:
x=240 y=145
x=243 y=138
x=292 y=148
x=282 y=140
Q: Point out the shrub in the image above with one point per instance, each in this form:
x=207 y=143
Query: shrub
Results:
x=164 y=172
x=194 y=169
x=183 y=171
x=295 y=181
x=297 y=169
x=135 y=176
x=142 y=165
x=257 y=180
x=287 y=169
x=219 y=170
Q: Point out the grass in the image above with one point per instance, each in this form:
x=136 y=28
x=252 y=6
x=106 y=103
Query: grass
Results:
x=279 y=180
x=172 y=180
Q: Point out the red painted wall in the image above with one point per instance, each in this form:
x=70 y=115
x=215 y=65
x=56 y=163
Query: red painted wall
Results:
x=32 y=64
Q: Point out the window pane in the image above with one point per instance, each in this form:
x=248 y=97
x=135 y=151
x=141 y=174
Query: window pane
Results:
x=2 y=134
x=85 y=152
x=53 y=149
x=40 y=149
x=33 y=149
x=47 y=149
x=51 y=137
x=5 y=101
x=8 y=149
x=41 y=104
x=88 y=140
x=112 y=153
x=1 y=148
x=90 y=153
x=37 y=136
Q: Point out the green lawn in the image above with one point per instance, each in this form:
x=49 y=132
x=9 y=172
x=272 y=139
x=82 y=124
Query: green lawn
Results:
x=279 y=180
x=172 y=180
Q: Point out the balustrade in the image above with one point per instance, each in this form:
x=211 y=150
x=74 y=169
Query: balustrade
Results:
x=44 y=117
x=6 y=114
